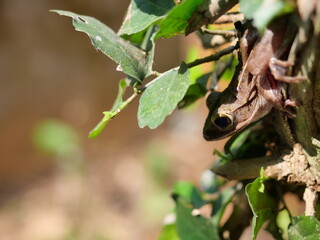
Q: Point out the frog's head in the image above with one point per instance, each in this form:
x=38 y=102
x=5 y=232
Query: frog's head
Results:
x=220 y=122
x=219 y=126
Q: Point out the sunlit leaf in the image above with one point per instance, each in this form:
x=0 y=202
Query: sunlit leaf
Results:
x=191 y=227
x=262 y=205
x=169 y=232
x=189 y=192
x=264 y=11
x=142 y=13
x=304 y=228
x=176 y=21
x=162 y=96
x=108 y=115
x=54 y=137
x=132 y=60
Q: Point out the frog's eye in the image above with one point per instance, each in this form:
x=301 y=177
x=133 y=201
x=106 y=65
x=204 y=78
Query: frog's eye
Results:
x=222 y=121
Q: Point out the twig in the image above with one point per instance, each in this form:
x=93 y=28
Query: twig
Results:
x=229 y=18
x=227 y=33
x=213 y=57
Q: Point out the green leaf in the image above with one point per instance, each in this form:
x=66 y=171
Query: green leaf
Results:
x=116 y=108
x=162 y=96
x=263 y=11
x=304 y=228
x=55 y=137
x=195 y=91
x=262 y=205
x=132 y=60
x=249 y=143
x=190 y=193
x=236 y=141
x=123 y=84
x=169 y=232
x=176 y=21
x=143 y=13
x=191 y=227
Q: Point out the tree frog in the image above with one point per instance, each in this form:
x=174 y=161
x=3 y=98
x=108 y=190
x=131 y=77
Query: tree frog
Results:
x=256 y=85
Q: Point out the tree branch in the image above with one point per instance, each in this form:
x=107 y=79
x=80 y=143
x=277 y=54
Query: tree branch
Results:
x=291 y=166
x=213 y=57
x=310 y=197
x=208 y=12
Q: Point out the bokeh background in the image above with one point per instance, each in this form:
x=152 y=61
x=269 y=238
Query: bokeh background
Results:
x=55 y=183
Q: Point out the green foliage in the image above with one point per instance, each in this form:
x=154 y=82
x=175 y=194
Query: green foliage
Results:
x=262 y=12
x=162 y=96
x=132 y=48
x=55 y=137
x=304 y=228
x=263 y=206
x=188 y=191
x=142 y=13
x=132 y=60
x=176 y=21
x=118 y=105
x=169 y=232
x=190 y=227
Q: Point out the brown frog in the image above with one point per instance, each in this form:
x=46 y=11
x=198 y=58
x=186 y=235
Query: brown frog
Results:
x=256 y=85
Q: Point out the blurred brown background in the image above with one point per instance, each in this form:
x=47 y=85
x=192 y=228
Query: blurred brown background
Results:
x=116 y=186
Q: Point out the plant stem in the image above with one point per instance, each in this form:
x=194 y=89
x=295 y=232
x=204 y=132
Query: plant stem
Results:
x=213 y=57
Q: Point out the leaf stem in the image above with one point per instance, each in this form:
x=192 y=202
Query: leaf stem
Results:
x=213 y=57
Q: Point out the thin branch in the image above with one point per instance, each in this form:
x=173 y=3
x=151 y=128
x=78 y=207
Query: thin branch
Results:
x=226 y=33
x=229 y=18
x=213 y=57
x=291 y=166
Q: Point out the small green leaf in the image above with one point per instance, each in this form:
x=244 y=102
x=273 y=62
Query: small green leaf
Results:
x=98 y=128
x=304 y=228
x=176 y=21
x=55 y=137
x=249 y=143
x=132 y=60
x=169 y=232
x=123 y=84
x=108 y=115
x=191 y=227
x=263 y=11
x=190 y=193
x=162 y=96
x=143 y=13
x=237 y=141
x=262 y=205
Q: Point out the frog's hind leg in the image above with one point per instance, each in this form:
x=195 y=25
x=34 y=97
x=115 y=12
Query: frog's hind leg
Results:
x=271 y=90
x=278 y=69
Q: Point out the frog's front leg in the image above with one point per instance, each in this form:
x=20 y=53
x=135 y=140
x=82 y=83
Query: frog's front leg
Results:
x=279 y=68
